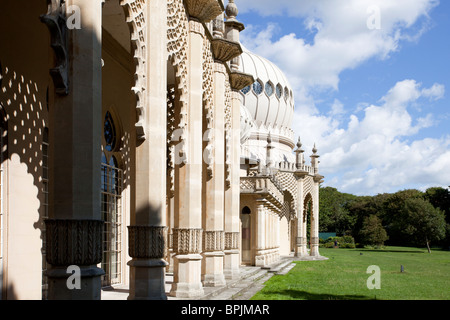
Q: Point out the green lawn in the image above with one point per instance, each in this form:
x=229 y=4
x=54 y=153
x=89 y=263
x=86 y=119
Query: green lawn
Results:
x=344 y=277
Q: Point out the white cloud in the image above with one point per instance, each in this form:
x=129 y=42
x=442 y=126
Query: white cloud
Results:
x=342 y=38
x=374 y=152
x=369 y=147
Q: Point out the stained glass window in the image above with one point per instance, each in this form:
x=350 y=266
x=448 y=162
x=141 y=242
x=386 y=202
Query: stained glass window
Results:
x=246 y=90
x=269 y=89
x=279 y=91
x=109 y=131
x=257 y=87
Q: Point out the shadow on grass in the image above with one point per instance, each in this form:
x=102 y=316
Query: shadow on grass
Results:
x=391 y=250
x=304 y=295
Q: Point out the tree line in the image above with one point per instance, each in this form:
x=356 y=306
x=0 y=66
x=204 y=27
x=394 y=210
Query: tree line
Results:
x=405 y=218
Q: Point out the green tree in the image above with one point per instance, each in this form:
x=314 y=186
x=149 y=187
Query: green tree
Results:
x=421 y=222
x=334 y=216
x=372 y=232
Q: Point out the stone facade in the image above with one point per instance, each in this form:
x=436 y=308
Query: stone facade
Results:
x=121 y=151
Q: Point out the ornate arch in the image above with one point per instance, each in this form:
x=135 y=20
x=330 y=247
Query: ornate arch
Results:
x=177 y=45
x=136 y=20
x=288 y=183
x=306 y=200
x=208 y=101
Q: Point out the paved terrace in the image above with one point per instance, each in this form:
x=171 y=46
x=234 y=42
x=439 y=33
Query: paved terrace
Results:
x=252 y=280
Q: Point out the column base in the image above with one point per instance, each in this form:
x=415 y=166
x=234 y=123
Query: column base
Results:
x=187 y=276
x=231 y=264
x=60 y=287
x=147 y=279
x=213 y=269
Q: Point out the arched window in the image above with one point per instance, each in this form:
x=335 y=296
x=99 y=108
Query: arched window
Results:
x=111 y=206
x=246 y=89
x=110 y=133
x=246 y=210
x=269 y=88
x=246 y=235
x=279 y=91
x=257 y=87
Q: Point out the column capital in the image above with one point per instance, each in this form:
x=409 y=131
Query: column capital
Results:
x=187 y=241
x=147 y=242
x=73 y=242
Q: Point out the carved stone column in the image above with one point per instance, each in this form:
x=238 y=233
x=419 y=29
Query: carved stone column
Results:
x=188 y=176
x=261 y=243
x=74 y=243
x=74 y=228
x=187 y=244
x=301 y=243
x=315 y=221
x=147 y=224
x=232 y=194
x=213 y=217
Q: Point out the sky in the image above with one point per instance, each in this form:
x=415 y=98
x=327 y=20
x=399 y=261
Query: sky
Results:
x=371 y=80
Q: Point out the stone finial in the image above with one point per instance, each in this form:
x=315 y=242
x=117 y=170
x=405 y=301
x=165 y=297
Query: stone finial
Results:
x=314 y=150
x=299 y=152
x=231 y=10
x=299 y=143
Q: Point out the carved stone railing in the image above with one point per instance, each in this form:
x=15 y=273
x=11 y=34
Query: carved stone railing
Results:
x=262 y=185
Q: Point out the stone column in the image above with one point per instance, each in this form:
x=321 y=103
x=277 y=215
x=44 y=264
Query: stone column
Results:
x=187 y=232
x=314 y=249
x=260 y=233
x=74 y=228
x=300 y=246
x=147 y=230
x=315 y=222
x=215 y=187
x=232 y=194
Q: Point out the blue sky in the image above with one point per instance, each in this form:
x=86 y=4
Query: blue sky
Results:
x=375 y=101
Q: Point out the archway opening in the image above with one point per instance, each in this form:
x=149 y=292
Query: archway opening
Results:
x=246 y=235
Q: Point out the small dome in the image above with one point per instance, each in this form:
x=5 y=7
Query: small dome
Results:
x=269 y=99
x=270 y=104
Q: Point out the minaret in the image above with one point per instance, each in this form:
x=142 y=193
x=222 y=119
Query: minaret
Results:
x=232 y=29
x=299 y=155
x=315 y=159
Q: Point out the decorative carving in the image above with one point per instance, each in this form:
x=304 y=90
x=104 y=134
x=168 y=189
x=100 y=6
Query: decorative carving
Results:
x=55 y=20
x=171 y=125
x=204 y=10
x=208 y=104
x=187 y=240
x=213 y=241
x=224 y=50
x=147 y=242
x=77 y=242
x=232 y=240
x=177 y=46
x=136 y=20
x=228 y=132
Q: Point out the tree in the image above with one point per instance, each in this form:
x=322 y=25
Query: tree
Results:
x=334 y=216
x=421 y=222
x=372 y=232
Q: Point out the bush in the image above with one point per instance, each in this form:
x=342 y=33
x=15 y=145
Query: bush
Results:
x=342 y=242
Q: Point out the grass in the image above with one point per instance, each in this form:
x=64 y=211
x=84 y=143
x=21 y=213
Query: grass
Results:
x=343 y=277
